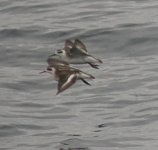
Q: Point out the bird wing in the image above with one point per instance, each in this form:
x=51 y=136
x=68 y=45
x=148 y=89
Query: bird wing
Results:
x=75 y=49
x=68 y=43
x=80 y=46
x=66 y=80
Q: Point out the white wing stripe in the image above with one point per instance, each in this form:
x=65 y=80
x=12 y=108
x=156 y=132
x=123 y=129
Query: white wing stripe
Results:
x=68 y=80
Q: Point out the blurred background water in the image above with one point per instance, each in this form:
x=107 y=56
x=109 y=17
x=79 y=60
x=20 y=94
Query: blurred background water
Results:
x=118 y=112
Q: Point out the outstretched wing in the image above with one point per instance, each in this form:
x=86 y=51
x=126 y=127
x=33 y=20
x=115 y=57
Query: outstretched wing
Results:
x=68 y=47
x=65 y=81
x=84 y=81
x=68 y=43
x=75 y=49
x=80 y=46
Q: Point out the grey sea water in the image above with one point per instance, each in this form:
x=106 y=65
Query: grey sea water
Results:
x=118 y=112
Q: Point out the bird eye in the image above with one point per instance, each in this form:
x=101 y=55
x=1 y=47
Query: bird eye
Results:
x=49 y=69
x=59 y=51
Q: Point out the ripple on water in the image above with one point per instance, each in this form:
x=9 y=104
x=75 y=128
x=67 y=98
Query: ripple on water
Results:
x=119 y=110
x=10 y=130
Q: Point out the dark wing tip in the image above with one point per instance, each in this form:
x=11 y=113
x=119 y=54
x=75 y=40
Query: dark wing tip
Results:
x=94 y=65
x=77 y=40
x=84 y=81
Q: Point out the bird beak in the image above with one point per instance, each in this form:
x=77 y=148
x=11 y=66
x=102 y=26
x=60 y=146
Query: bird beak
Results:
x=42 y=71
x=53 y=55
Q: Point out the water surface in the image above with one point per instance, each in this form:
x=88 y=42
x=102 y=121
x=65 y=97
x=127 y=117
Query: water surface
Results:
x=119 y=110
